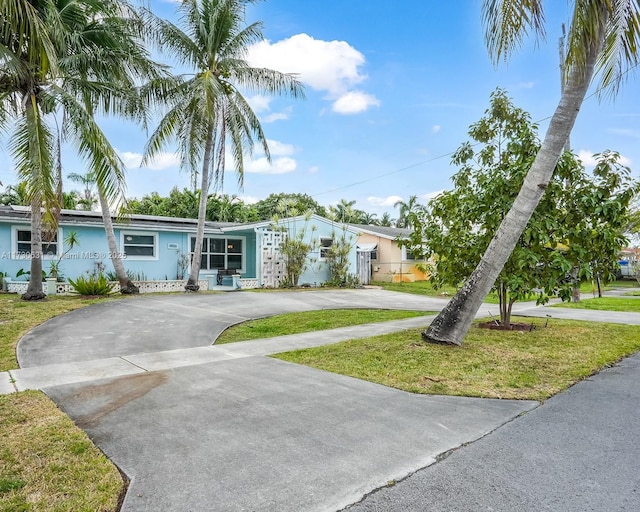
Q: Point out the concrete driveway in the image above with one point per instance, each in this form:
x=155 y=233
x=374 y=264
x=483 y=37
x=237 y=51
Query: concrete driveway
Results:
x=203 y=428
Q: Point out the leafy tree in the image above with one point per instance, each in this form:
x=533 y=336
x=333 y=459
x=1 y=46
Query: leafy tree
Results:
x=579 y=223
x=345 y=212
x=288 y=205
x=206 y=110
x=604 y=36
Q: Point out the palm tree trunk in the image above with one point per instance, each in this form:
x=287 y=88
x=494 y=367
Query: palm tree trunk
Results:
x=34 y=290
x=126 y=286
x=192 y=282
x=453 y=322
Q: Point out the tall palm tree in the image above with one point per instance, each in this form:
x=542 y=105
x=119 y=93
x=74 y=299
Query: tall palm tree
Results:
x=64 y=60
x=206 y=110
x=604 y=37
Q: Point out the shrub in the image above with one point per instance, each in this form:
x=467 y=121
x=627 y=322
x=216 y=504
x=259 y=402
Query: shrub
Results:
x=92 y=285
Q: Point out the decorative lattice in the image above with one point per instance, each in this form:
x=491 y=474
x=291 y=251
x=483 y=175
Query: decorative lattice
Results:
x=273 y=264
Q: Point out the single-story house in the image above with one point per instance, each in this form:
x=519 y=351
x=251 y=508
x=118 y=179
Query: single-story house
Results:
x=159 y=248
x=388 y=261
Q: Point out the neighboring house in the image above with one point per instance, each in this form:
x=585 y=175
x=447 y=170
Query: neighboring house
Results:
x=159 y=248
x=389 y=262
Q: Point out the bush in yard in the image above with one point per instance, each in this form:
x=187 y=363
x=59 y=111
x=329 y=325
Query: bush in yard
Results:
x=92 y=285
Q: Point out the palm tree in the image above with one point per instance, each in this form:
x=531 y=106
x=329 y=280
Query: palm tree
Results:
x=386 y=220
x=207 y=109
x=64 y=61
x=87 y=202
x=15 y=194
x=88 y=199
x=411 y=206
x=604 y=37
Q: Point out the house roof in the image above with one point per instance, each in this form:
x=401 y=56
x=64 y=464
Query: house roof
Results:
x=84 y=218
x=383 y=231
x=267 y=223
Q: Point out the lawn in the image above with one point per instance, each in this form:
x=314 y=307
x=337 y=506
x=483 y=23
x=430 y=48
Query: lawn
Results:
x=46 y=462
x=496 y=364
x=604 y=304
x=294 y=323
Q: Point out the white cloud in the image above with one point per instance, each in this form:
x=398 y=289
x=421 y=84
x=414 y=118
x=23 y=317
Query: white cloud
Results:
x=354 y=102
x=277 y=116
x=313 y=169
x=525 y=85
x=435 y=128
x=280 y=148
x=431 y=195
x=626 y=132
x=282 y=165
x=162 y=160
x=328 y=66
x=259 y=103
x=588 y=159
x=249 y=199
x=383 y=201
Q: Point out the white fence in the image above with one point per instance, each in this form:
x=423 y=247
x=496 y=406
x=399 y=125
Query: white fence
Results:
x=55 y=288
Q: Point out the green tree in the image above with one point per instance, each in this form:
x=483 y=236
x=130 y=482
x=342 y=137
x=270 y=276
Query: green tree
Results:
x=64 y=60
x=579 y=224
x=207 y=110
x=604 y=37
x=386 y=220
x=288 y=205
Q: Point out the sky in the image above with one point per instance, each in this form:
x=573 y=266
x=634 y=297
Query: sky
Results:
x=391 y=89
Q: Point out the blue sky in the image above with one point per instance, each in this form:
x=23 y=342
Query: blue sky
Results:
x=391 y=89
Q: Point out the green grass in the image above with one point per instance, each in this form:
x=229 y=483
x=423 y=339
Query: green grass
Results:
x=425 y=288
x=49 y=464
x=495 y=364
x=46 y=462
x=604 y=304
x=294 y=323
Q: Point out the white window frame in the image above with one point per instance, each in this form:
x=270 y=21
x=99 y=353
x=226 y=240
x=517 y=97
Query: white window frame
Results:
x=322 y=249
x=243 y=252
x=136 y=257
x=16 y=255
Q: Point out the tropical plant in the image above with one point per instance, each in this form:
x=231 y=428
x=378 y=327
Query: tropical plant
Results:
x=288 y=205
x=88 y=200
x=207 y=110
x=405 y=209
x=70 y=240
x=604 y=37
x=92 y=285
x=15 y=194
x=337 y=259
x=65 y=61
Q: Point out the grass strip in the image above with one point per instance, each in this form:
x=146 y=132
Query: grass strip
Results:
x=308 y=321
x=604 y=304
x=494 y=364
x=49 y=464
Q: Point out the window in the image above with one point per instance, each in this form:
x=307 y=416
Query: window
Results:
x=374 y=254
x=325 y=244
x=218 y=253
x=139 y=245
x=22 y=243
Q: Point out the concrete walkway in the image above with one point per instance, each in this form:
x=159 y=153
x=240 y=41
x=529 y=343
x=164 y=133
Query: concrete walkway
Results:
x=204 y=428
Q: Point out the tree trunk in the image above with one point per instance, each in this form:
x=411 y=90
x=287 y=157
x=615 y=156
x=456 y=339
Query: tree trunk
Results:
x=126 y=286
x=34 y=290
x=194 y=273
x=453 y=322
